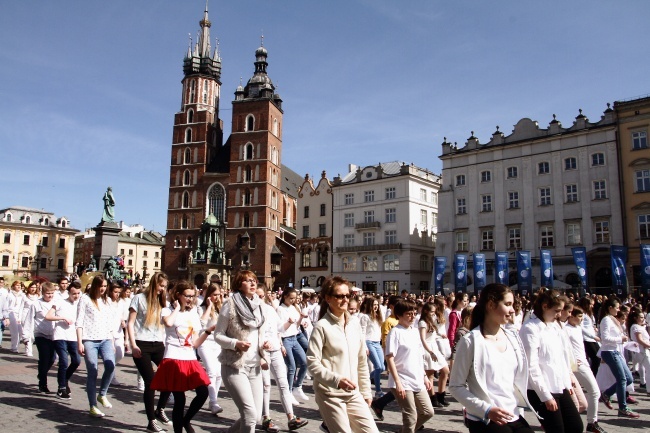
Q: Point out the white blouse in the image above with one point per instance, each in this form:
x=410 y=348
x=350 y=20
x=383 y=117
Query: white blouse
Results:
x=96 y=321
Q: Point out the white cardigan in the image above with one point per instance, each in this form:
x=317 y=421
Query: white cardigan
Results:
x=468 y=383
x=611 y=334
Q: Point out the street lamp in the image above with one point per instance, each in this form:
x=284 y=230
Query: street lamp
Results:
x=37 y=259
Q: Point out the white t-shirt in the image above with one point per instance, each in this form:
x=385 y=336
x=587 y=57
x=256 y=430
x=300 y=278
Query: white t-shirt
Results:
x=405 y=345
x=58 y=295
x=154 y=332
x=634 y=330
x=577 y=343
x=285 y=312
x=68 y=310
x=500 y=378
x=179 y=338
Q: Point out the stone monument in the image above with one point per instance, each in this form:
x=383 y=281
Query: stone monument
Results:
x=106 y=232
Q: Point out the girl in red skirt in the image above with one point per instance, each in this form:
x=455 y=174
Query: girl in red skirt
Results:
x=180 y=371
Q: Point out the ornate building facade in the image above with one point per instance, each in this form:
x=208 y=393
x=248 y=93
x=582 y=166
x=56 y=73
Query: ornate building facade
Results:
x=231 y=205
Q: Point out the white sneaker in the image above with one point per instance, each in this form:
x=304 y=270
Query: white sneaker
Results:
x=116 y=382
x=215 y=409
x=293 y=400
x=101 y=399
x=299 y=394
x=95 y=412
x=140 y=383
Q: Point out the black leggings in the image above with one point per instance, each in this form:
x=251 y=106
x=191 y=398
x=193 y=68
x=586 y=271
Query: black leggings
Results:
x=565 y=419
x=180 y=418
x=519 y=426
x=152 y=351
x=591 y=349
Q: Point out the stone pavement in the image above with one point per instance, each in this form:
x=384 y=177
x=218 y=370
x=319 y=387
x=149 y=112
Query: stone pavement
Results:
x=23 y=409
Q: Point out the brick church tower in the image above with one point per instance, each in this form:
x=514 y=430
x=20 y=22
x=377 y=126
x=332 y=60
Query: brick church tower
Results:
x=231 y=206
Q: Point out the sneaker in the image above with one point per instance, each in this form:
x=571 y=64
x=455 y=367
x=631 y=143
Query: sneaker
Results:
x=154 y=427
x=595 y=428
x=115 y=382
x=104 y=401
x=95 y=412
x=160 y=416
x=631 y=400
x=215 y=409
x=627 y=413
x=299 y=394
x=62 y=394
x=67 y=389
x=379 y=394
x=293 y=401
x=324 y=428
x=296 y=423
x=44 y=389
x=606 y=401
x=379 y=412
x=140 y=383
x=269 y=425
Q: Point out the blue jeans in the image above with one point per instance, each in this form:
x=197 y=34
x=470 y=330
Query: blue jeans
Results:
x=616 y=363
x=94 y=349
x=376 y=355
x=295 y=355
x=67 y=366
x=45 y=358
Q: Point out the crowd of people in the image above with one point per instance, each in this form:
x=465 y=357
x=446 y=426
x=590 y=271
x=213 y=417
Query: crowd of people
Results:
x=497 y=354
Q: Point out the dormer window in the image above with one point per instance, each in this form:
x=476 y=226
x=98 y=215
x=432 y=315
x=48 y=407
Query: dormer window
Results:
x=8 y=217
x=28 y=219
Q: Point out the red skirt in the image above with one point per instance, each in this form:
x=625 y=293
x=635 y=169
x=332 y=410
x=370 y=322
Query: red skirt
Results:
x=179 y=375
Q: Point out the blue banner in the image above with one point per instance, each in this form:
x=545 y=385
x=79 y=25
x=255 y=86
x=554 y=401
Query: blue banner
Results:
x=439 y=265
x=619 y=276
x=546 y=268
x=501 y=268
x=524 y=273
x=460 y=271
x=580 y=259
x=645 y=269
x=479 y=273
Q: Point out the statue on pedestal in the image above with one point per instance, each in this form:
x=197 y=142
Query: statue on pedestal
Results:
x=109 y=206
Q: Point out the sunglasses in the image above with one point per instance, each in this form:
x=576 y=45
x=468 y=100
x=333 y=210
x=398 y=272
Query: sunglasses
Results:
x=342 y=296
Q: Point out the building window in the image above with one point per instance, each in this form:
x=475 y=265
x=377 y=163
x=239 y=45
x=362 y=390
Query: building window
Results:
x=8 y=217
x=145 y=253
x=156 y=254
x=305 y=231
x=306 y=212
x=349 y=198
x=601 y=230
x=391 y=287
x=368 y=216
x=423 y=217
x=323 y=258
x=639 y=140
x=462 y=242
x=573 y=234
x=5 y=261
x=348 y=240
x=512 y=172
x=60 y=264
x=24 y=262
x=26 y=239
x=368 y=239
x=546 y=236
x=186 y=200
x=570 y=163
x=597 y=159
x=247 y=197
x=423 y=194
x=486 y=203
x=190 y=116
x=7 y=238
x=369 y=263
x=322 y=230
x=368 y=196
x=390 y=192
x=248 y=151
x=487 y=240
x=514 y=238
x=188 y=135
x=461 y=206
x=322 y=209
x=460 y=180
x=543 y=168
x=390 y=237
x=305 y=259
x=61 y=242
x=600 y=190
x=45 y=241
x=642 y=180
x=156 y=265
x=247 y=220
x=250 y=123
x=424 y=263
x=434 y=198
x=216 y=202
x=348 y=220
x=544 y=196
x=571 y=193
x=391 y=262
x=349 y=264
x=486 y=176
x=644 y=226
x=391 y=215
x=513 y=200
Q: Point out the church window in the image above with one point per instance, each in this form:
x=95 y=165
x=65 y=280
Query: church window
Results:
x=205 y=92
x=190 y=116
x=188 y=156
x=186 y=177
x=190 y=242
x=247 y=197
x=250 y=123
x=186 y=199
x=275 y=127
x=249 y=151
x=182 y=262
x=184 y=222
x=188 y=135
x=216 y=201
x=248 y=174
x=192 y=91
x=247 y=220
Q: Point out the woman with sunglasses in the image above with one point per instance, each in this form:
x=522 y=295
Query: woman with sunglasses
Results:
x=180 y=371
x=338 y=363
x=240 y=333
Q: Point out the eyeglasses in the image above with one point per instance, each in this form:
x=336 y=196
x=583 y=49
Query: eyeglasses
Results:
x=251 y=281
x=342 y=296
x=187 y=296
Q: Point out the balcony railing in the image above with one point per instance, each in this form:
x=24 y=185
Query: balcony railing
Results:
x=376 y=247
x=370 y=225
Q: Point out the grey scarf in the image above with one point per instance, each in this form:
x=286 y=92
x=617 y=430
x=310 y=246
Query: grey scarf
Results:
x=250 y=316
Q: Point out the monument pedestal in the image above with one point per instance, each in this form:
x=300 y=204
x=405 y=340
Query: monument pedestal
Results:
x=106 y=238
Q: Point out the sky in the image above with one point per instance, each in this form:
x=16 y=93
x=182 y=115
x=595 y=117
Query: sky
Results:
x=89 y=89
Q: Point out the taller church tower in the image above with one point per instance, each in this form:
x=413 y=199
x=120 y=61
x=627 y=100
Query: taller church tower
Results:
x=232 y=206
